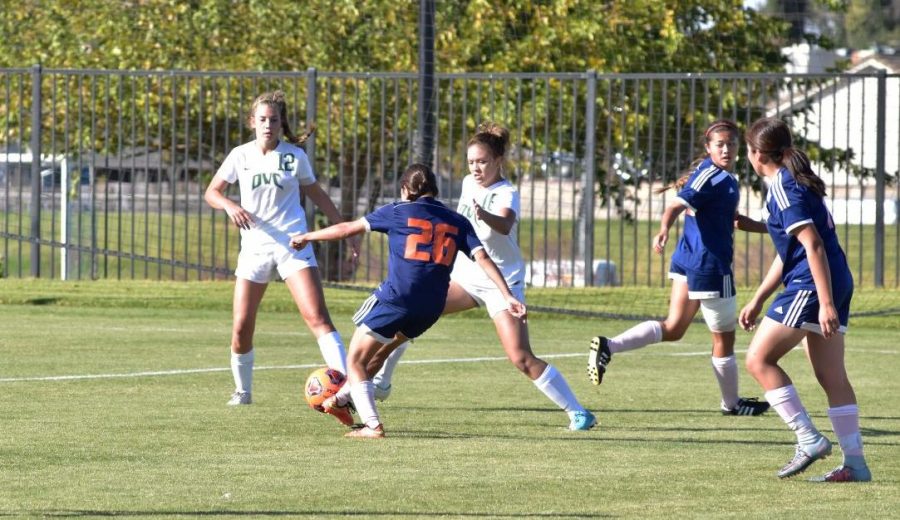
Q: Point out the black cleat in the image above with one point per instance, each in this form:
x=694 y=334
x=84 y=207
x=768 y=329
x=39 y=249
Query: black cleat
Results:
x=598 y=358
x=748 y=406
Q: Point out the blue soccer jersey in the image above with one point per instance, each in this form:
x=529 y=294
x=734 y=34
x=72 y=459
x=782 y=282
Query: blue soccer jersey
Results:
x=424 y=237
x=790 y=205
x=711 y=196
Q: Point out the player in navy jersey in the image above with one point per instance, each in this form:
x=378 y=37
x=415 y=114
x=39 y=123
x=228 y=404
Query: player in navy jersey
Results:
x=814 y=306
x=272 y=173
x=491 y=203
x=424 y=237
x=700 y=269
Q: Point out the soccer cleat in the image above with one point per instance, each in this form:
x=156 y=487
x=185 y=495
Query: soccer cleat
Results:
x=804 y=456
x=747 y=406
x=367 y=433
x=382 y=392
x=583 y=421
x=239 y=398
x=845 y=474
x=598 y=358
x=341 y=413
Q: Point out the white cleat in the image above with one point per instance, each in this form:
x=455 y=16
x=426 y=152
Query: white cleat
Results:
x=238 y=398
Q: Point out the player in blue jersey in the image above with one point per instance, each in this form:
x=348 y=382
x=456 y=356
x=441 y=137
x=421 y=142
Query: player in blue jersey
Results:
x=271 y=173
x=424 y=237
x=700 y=269
x=814 y=305
x=492 y=204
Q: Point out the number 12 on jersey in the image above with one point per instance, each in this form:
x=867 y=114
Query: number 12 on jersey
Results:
x=440 y=238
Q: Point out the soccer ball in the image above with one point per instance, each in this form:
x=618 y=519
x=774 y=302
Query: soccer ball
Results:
x=322 y=384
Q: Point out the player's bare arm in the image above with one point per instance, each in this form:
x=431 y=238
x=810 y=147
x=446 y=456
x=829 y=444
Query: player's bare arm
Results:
x=501 y=222
x=215 y=197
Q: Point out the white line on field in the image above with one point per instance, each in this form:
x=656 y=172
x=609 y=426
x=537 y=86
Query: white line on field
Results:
x=155 y=373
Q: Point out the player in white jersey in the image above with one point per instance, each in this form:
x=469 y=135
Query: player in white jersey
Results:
x=491 y=203
x=271 y=174
x=814 y=306
x=700 y=269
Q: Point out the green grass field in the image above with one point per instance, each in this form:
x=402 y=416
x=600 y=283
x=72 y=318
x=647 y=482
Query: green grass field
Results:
x=114 y=405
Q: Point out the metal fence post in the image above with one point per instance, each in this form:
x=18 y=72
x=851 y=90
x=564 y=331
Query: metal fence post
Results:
x=36 y=103
x=590 y=138
x=880 y=151
x=424 y=152
x=310 y=145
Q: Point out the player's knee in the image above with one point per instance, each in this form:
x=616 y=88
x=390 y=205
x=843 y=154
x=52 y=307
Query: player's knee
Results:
x=755 y=365
x=673 y=331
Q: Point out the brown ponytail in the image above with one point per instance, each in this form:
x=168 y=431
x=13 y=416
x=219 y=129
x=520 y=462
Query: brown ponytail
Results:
x=419 y=181
x=772 y=138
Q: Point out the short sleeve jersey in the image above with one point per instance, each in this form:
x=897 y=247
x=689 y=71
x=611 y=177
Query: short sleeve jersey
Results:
x=270 y=189
x=424 y=237
x=790 y=205
x=711 y=196
x=503 y=249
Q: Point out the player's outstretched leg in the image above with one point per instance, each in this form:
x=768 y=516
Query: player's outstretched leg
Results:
x=598 y=358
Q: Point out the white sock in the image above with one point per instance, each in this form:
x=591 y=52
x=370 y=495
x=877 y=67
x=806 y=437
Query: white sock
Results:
x=554 y=386
x=332 y=349
x=242 y=370
x=384 y=376
x=845 y=422
x=726 y=371
x=343 y=395
x=787 y=403
x=641 y=335
x=363 y=394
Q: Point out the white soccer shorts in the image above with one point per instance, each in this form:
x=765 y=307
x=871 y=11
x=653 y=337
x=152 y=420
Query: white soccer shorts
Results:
x=263 y=263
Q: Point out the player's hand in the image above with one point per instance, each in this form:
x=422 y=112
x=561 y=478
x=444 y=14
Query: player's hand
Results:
x=517 y=308
x=479 y=211
x=828 y=320
x=354 y=242
x=660 y=240
x=241 y=217
x=747 y=316
x=298 y=242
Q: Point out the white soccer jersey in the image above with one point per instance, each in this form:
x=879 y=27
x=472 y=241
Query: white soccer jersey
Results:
x=270 y=190
x=503 y=249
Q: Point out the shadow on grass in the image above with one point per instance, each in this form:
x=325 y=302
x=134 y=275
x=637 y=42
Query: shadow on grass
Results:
x=314 y=514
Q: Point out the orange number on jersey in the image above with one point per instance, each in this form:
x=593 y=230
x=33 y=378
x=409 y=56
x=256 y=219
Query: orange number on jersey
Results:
x=412 y=251
x=443 y=245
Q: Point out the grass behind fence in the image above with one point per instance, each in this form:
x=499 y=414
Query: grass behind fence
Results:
x=200 y=239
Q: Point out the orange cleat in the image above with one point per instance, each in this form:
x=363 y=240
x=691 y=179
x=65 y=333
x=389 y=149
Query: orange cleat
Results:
x=367 y=433
x=341 y=413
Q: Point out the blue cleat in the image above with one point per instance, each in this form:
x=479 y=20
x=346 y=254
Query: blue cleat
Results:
x=583 y=421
